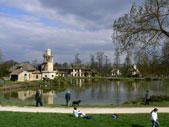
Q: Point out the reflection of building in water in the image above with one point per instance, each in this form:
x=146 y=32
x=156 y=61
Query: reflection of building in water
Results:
x=49 y=97
x=23 y=95
x=134 y=85
x=78 y=82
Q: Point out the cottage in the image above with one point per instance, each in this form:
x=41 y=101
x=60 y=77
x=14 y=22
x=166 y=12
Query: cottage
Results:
x=27 y=72
x=24 y=72
x=116 y=72
x=134 y=71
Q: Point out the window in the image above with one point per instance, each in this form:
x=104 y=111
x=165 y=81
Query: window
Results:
x=37 y=76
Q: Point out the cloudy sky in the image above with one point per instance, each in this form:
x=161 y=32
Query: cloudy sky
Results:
x=29 y=27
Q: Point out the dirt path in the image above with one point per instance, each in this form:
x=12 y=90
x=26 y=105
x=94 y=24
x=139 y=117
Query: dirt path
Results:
x=85 y=110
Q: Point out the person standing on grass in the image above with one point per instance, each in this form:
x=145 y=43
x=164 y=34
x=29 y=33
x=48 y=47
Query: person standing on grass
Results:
x=154 y=117
x=67 y=97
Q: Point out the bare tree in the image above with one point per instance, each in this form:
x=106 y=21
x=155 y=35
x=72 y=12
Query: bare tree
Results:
x=77 y=59
x=100 y=61
x=165 y=53
x=92 y=61
x=128 y=58
x=117 y=58
x=144 y=25
x=1 y=57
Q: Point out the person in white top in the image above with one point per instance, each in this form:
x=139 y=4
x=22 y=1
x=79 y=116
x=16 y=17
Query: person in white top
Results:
x=78 y=113
x=154 y=117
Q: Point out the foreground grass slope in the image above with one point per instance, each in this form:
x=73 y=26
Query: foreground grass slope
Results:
x=11 y=119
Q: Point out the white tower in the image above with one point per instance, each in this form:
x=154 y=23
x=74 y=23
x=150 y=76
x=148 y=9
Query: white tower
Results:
x=48 y=60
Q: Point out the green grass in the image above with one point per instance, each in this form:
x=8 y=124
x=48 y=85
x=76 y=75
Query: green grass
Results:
x=11 y=119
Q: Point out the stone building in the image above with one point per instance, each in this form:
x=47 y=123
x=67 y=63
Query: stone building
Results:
x=24 y=72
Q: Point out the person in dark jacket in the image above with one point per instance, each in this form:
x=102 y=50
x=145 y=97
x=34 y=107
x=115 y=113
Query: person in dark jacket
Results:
x=38 y=98
x=147 y=98
x=67 y=97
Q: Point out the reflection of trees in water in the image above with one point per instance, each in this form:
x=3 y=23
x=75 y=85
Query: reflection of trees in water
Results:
x=158 y=87
x=102 y=91
x=11 y=95
x=48 y=97
x=93 y=92
x=125 y=90
x=116 y=91
x=99 y=90
x=23 y=95
x=80 y=85
x=130 y=89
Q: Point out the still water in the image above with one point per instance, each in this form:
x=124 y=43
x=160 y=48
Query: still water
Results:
x=91 y=93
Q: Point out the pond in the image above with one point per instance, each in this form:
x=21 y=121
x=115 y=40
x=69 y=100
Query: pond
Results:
x=102 y=92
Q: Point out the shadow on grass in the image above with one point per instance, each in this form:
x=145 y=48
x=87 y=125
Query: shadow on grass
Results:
x=136 y=125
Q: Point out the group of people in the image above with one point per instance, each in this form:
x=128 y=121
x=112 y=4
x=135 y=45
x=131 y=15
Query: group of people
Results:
x=78 y=113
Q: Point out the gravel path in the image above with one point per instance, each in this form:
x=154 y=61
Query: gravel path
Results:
x=85 y=110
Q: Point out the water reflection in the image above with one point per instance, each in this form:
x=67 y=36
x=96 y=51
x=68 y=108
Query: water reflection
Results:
x=23 y=95
x=93 y=93
x=49 y=97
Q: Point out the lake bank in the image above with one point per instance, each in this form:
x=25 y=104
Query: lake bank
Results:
x=91 y=92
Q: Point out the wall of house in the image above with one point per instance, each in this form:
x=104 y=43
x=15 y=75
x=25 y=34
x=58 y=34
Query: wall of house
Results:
x=37 y=76
x=23 y=76
x=50 y=75
x=77 y=73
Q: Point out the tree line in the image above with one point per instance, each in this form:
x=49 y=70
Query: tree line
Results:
x=144 y=32
x=150 y=62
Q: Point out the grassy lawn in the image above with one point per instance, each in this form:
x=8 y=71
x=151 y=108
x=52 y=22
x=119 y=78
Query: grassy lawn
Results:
x=11 y=119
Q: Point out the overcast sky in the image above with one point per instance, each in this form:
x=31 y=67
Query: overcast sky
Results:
x=29 y=27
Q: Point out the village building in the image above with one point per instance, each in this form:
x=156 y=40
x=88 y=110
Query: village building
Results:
x=116 y=72
x=76 y=70
x=27 y=72
x=134 y=71
x=24 y=72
